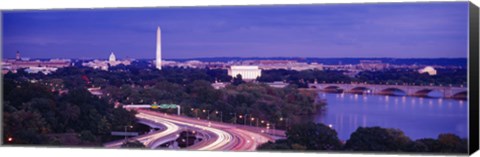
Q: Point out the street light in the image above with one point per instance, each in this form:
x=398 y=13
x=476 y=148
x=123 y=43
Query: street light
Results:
x=129 y=126
x=286 y=121
x=196 y=112
x=206 y=111
x=235 y=117
x=208 y=114
x=221 y=115
x=268 y=127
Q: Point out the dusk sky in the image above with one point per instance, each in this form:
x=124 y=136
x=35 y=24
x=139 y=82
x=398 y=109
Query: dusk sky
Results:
x=399 y=30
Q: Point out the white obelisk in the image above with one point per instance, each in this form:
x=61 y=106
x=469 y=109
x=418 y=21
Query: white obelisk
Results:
x=158 y=62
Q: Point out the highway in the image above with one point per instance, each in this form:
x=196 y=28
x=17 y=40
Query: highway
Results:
x=147 y=139
x=216 y=135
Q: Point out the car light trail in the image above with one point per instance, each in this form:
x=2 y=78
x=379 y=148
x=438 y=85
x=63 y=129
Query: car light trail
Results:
x=171 y=128
x=223 y=139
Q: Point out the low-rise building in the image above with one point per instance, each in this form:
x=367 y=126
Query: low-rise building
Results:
x=44 y=70
x=278 y=84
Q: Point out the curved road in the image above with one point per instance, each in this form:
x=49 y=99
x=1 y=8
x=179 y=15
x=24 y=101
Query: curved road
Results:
x=226 y=136
x=147 y=139
x=217 y=136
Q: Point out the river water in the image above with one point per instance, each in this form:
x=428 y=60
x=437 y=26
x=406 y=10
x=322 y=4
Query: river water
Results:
x=416 y=117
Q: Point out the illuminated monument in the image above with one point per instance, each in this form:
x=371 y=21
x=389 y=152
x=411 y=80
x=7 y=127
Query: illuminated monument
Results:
x=158 y=62
x=247 y=72
x=112 y=58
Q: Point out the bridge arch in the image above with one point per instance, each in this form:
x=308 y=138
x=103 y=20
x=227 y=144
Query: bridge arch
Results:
x=393 y=91
x=427 y=93
x=333 y=88
x=460 y=95
x=360 y=90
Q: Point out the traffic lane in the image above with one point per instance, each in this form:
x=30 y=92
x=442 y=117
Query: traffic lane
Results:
x=207 y=137
x=223 y=138
x=256 y=131
x=171 y=128
x=242 y=140
x=118 y=143
x=271 y=133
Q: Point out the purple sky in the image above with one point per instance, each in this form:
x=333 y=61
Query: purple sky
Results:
x=403 y=30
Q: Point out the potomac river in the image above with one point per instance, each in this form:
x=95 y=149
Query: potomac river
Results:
x=417 y=117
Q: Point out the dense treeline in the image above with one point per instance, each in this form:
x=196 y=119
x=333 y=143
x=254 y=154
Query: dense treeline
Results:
x=200 y=99
x=139 y=73
x=33 y=113
x=444 y=77
x=315 y=137
x=302 y=78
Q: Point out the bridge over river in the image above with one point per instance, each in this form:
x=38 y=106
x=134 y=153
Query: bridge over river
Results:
x=410 y=90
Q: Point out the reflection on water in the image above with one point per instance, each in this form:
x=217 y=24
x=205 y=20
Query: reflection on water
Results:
x=417 y=117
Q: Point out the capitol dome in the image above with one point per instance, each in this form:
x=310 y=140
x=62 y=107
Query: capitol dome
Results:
x=112 y=57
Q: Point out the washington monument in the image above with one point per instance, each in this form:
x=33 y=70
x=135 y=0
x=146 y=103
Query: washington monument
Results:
x=158 y=62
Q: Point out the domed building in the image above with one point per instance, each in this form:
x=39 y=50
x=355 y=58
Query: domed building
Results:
x=428 y=69
x=104 y=65
x=112 y=58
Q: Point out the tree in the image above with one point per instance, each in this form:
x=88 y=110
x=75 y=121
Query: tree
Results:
x=277 y=145
x=313 y=137
x=87 y=136
x=446 y=143
x=452 y=143
x=238 y=80
x=377 y=139
x=202 y=91
x=425 y=145
x=26 y=127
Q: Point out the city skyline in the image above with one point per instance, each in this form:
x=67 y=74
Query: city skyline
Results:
x=409 y=30
x=375 y=77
